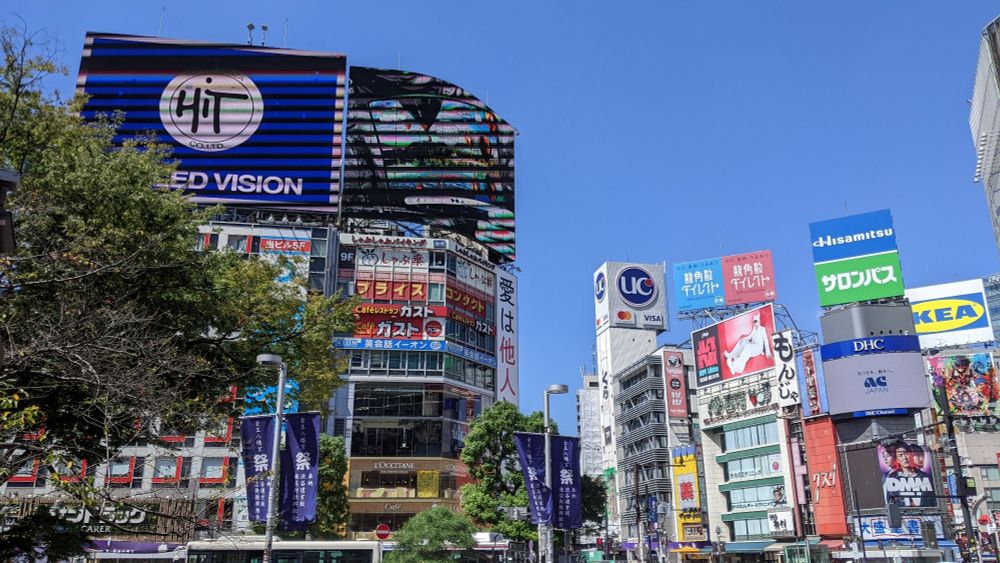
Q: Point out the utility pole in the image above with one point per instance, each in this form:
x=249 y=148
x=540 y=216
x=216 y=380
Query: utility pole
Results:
x=956 y=461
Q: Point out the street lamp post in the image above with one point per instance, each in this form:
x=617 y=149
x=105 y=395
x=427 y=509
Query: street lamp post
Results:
x=274 y=360
x=555 y=389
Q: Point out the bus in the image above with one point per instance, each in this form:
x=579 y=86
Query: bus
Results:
x=251 y=550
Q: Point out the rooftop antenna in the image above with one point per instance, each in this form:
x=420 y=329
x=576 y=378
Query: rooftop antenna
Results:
x=263 y=35
x=846 y=210
x=284 y=40
x=163 y=11
x=398 y=65
x=250 y=28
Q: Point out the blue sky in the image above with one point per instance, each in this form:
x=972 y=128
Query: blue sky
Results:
x=663 y=130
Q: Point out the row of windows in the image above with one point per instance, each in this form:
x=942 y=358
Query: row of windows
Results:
x=412 y=484
x=407 y=438
x=636 y=379
x=757 y=497
x=748 y=529
x=990 y=473
x=406 y=400
x=416 y=364
x=129 y=472
x=751 y=436
x=757 y=466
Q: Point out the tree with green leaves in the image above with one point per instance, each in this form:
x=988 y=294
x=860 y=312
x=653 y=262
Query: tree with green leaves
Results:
x=112 y=327
x=595 y=500
x=432 y=536
x=491 y=456
x=332 y=509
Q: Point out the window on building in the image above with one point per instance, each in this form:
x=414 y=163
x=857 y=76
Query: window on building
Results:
x=751 y=436
x=990 y=473
x=749 y=529
x=237 y=243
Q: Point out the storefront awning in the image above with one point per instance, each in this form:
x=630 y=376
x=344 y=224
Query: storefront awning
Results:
x=748 y=546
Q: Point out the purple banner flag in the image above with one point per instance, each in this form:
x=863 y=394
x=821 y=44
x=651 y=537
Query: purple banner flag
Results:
x=567 y=485
x=531 y=452
x=299 y=471
x=257 y=436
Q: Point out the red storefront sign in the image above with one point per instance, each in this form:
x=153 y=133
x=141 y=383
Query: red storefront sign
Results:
x=820 y=437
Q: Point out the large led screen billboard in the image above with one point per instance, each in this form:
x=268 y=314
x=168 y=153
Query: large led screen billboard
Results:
x=248 y=125
x=965 y=384
x=856 y=259
x=730 y=280
x=423 y=150
x=875 y=382
x=951 y=314
x=735 y=347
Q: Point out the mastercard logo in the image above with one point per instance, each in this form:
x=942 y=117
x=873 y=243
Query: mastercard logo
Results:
x=624 y=315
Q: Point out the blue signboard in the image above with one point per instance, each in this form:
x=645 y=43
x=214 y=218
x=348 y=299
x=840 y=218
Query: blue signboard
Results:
x=415 y=345
x=870 y=345
x=699 y=284
x=856 y=235
x=248 y=125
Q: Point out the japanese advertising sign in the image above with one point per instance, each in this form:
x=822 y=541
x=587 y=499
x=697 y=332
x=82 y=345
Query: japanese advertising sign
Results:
x=785 y=367
x=735 y=347
x=824 y=476
x=257 y=438
x=299 y=470
x=531 y=454
x=406 y=322
x=965 y=384
x=222 y=108
x=507 y=332
x=422 y=150
x=675 y=383
x=951 y=314
x=856 y=258
x=780 y=523
x=739 y=404
x=814 y=389
x=385 y=290
x=635 y=296
x=907 y=475
x=877 y=527
x=686 y=492
x=730 y=280
x=875 y=382
x=567 y=485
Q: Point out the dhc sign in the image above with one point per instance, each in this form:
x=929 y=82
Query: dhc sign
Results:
x=870 y=345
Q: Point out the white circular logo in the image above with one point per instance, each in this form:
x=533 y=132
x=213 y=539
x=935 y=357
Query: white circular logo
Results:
x=212 y=111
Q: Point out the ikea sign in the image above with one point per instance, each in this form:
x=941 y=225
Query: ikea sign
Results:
x=951 y=314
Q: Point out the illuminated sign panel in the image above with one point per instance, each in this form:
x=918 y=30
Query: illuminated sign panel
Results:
x=951 y=314
x=248 y=125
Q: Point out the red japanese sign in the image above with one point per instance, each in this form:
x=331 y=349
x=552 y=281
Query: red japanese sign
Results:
x=824 y=477
x=384 y=290
x=812 y=384
x=400 y=322
x=463 y=300
x=674 y=383
x=749 y=278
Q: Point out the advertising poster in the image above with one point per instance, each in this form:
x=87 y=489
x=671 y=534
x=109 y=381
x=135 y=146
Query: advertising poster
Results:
x=735 y=347
x=567 y=484
x=299 y=471
x=951 y=314
x=257 y=438
x=531 y=455
x=507 y=333
x=876 y=382
x=856 y=258
x=223 y=109
x=730 y=280
x=686 y=492
x=749 y=277
x=907 y=475
x=637 y=298
x=699 y=285
x=423 y=150
x=675 y=384
x=965 y=384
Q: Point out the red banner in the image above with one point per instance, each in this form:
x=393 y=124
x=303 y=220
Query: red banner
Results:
x=674 y=382
x=466 y=302
x=285 y=246
x=824 y=477
x=400 y=322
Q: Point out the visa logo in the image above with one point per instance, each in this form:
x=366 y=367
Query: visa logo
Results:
x=648 y=318
x=943 y=315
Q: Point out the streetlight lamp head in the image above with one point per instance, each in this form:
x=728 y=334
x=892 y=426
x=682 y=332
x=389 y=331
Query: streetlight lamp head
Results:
x=557 y=389
x=269 y=359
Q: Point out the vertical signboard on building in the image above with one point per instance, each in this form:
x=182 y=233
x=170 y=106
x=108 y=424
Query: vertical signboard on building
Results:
x=730 y=280
x=785 y=367
x=907 y=474
x=820 y=437
x=687 y=495
x=675 y=384
x=602 y=315
x=248 y=125
x=735 y=347
x=856 y=258
x=815 y=391
x=507 y=377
